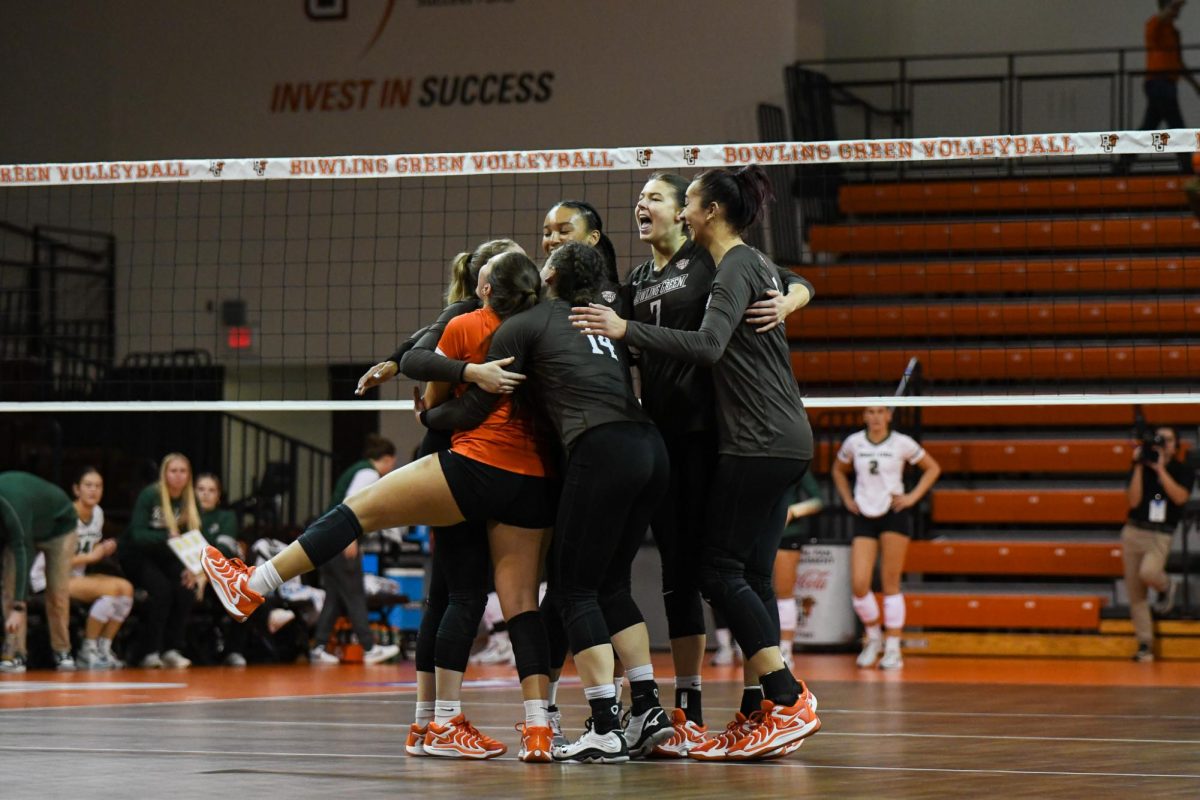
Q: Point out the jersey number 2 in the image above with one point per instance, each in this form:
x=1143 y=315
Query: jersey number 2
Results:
x=602 y=341
x=874 y=467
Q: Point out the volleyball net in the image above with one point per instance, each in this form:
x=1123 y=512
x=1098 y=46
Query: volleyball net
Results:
x=1018 y=270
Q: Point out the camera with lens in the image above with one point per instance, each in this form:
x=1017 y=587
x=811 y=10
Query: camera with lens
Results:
x=1152 y=445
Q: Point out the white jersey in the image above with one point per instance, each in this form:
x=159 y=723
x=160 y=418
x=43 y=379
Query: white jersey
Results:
x=89 y=535
x=878 y=468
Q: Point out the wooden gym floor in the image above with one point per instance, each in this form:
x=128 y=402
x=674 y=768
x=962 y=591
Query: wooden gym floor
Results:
x=944 y=727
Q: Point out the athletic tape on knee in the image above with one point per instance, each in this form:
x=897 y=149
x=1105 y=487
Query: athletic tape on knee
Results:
x=121 y=606
x=332 y=533
x=787 y=613
x=102 y=609
x=893 y=612
x=531 y=650
x=867 y=608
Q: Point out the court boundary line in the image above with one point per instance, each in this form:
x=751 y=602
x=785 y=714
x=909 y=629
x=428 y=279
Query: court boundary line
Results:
x=512 y=759
x=403 y=726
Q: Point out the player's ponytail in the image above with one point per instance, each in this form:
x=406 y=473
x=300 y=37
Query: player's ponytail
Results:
x=516 y=284
x=460 y=287
x=742 y=193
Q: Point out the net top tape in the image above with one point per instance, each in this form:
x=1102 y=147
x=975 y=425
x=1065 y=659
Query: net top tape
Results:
x=667 y=157
x=911 y=401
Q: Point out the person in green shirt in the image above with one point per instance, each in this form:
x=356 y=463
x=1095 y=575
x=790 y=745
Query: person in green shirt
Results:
x=219 y=525
x=220 y=528
x=163 y=510
x=342 y=578
x=36 y=515
x=804 y=501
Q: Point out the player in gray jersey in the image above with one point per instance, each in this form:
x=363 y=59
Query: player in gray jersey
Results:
x=764 y=445
x=671 y=290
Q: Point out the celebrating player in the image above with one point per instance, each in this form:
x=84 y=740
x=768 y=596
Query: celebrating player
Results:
x=764 y=446
x=671 y=290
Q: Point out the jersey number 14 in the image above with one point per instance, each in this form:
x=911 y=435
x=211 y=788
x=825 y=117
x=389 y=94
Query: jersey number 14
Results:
x=602 y=341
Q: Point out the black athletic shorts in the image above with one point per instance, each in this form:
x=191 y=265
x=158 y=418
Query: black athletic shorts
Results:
x=892 y=522
x=484 y=492
x=794 y=542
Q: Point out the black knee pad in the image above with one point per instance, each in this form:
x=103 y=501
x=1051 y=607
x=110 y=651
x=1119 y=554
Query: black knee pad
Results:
x=584 y=620
x=765 y=589
x=332 y=533
x=620 y=611
x=431 y=618
x=530 y=646
x=556 y=629
x=457 y=631
x=685 y=613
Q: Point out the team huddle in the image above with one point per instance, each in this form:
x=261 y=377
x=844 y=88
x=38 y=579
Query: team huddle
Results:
x=540 y=458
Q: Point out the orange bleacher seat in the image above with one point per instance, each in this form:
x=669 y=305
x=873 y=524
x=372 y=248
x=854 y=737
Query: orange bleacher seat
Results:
x=1024 y=416
x=1019 y=194
x=982 y=456
x=1018 y=236
x=991 y=456
x=1059 y=612
x=956 y=557
x=1060 y=317
x=1060 y=275
x=990 y=506
x=1016 y=362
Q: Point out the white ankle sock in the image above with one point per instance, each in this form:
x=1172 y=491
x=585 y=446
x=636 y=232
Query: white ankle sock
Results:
x=691 y=682
x=535 y=714
x=875 y=632
x=446 y=710
x=265 y=579
x=424 y=713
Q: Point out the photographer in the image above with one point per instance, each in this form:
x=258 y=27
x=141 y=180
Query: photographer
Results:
x=1158 y=488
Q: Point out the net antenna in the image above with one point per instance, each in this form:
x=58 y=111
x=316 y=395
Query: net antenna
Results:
x=910 y=386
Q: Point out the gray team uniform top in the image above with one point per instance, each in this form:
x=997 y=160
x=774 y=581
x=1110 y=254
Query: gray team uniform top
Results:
x=759 y=410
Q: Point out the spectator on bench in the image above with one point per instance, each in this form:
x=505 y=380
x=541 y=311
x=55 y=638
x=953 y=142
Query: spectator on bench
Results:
x=164 y=510
x=1159 y=486
x=35 y=515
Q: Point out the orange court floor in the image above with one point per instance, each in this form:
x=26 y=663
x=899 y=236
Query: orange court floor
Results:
x=941 y=727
